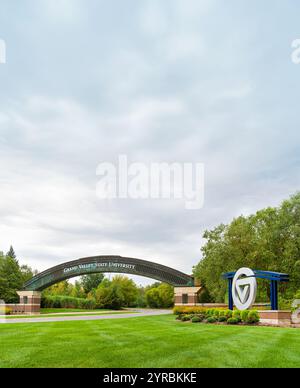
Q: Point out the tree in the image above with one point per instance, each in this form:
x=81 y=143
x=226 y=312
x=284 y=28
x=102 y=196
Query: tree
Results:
x=27 y=273
x=128 y=289
x=160 y=296
x=77 y=290
x=90 y=282
x=109 y=296
x=141 y=297
x=10 y=279
x=116 y=293
x=11 y=253
x=63 y=288
x=268 y=240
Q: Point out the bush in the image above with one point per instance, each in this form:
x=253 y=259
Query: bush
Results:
x=232 y=321
x=186 y=318
x=211 y=320
x=4 y=310
x=196 y=319
x=58 y=301
x=228 y=314
x=237 y=315
x=189 y=310
x=217 y=315
x=201 y=317
x=211 y=312
x=253 y=317
x=244 y=316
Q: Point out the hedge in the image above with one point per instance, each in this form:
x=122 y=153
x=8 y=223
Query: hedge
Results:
x=58 y=301
x=194 y=310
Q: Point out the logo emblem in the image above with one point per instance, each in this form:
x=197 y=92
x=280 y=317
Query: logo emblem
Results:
x=244 y=288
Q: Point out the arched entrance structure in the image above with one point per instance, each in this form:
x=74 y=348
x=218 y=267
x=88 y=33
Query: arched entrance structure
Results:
x=183 y=283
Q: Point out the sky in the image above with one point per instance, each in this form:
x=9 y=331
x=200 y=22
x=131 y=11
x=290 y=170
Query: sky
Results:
x=200 y=81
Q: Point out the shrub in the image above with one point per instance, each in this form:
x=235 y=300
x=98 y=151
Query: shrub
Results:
x=244 y=315
x=177 y=310
x=196 y=319
x=198 y=310
x=5 y=310
x=211 y=320
x=211 y=312
x=58 y=301
x=253 y=317
x=237 y=315
x=232 y=321
x=186 y=317
x=222 y=318
x=228 y=314
x=201 y=317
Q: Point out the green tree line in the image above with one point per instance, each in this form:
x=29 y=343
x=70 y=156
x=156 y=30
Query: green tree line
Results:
x=268 y=240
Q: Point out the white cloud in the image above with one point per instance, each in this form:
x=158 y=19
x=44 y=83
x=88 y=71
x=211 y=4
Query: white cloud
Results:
x=156 y=80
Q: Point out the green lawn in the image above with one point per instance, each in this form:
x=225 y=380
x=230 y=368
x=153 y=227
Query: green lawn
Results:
x=146 y=342
x=54 y=311
x=61 y=315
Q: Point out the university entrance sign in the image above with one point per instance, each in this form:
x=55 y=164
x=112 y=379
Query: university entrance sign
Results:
x=242 y=287
x=115 y=264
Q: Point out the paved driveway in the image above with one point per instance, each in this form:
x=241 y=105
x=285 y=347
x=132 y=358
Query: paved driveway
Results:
x=134 y=314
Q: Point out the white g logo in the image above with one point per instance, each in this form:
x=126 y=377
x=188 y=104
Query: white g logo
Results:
x=244 y=289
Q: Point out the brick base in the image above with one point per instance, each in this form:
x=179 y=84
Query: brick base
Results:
x=30 y=303
x=27 y=309
x=278 y=317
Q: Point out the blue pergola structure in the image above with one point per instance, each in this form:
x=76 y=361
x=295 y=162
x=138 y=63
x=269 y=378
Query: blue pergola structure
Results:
x=274 y=278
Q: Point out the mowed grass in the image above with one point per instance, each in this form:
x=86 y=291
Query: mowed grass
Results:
x=61 y=315
x=69 y=310
x=146 y=342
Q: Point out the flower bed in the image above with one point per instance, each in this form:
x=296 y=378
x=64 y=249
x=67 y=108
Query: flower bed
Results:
x=216 y=316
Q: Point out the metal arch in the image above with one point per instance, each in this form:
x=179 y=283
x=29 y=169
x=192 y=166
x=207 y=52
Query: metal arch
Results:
x=102 y=264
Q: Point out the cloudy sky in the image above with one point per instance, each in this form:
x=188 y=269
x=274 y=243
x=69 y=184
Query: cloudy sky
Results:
x=203 y=81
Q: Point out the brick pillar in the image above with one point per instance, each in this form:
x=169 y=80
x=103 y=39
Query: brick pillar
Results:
x=186 y=296
x=31 y=301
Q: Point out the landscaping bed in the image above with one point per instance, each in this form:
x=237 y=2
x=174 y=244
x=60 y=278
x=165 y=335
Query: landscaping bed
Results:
x=218 y=316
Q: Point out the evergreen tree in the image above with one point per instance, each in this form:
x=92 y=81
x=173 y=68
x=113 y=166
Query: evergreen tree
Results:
x=11 y=279
x=11 y=253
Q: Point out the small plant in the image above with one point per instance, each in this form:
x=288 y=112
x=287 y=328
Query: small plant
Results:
x=7 y=311
x=232 y=321
x=201 y=317
x=177 y=311
x=228 y=314
x=211 y=320
x=222 y=318
x=244 y=316
x=185 y=318
x=253 y=317
x=237 y=315
x=196 y=319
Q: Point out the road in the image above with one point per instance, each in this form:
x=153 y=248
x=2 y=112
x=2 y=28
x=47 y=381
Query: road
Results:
x=134 y=314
